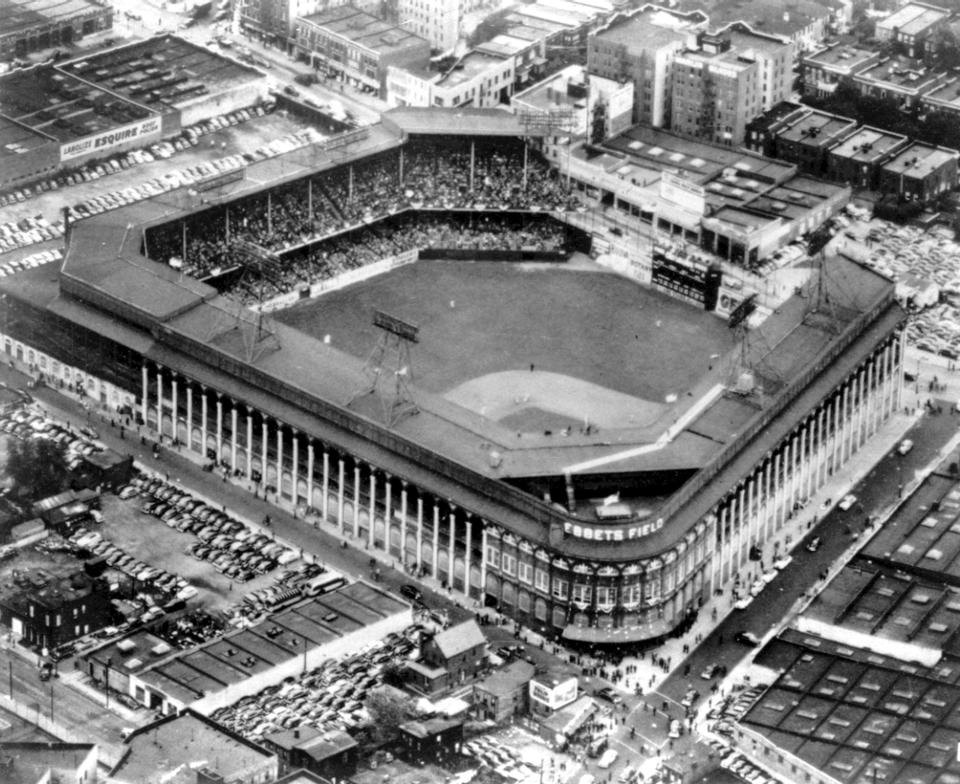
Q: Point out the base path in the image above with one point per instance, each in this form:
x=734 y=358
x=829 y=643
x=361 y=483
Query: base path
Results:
x=508 y=393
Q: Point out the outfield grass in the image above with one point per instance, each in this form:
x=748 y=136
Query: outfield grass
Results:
x=591 y=325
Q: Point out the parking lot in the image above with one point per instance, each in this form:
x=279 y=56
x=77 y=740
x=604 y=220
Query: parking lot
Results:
x=243 y=137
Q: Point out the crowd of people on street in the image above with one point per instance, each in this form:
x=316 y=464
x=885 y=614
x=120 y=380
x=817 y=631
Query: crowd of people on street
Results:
x=420 y=176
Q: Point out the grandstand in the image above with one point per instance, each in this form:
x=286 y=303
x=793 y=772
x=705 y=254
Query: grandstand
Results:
x=512 y=482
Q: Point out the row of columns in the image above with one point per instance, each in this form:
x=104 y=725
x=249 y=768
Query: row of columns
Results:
x=762 y=504
x=163 y=405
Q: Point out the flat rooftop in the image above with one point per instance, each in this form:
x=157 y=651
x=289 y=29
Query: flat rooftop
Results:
x=888 y=604
x=188 y=675
x=920 y=160
x=856 y=715
x=817 y=129
x=699 y=161
x=764 y=16
x=470 y=65
x=171 y=750
x=744 y=41
x=18 y=15
x=16 y=139
x=365 y=29
x=503 y=45
x=923 y=535
x=52 y=102
x=901 y=72
x=913 y=18
x=648 y=30
x=163 y=71
x=840 y=57
x=947 y=93
x=571 y=20
x=552 y=91
x=868 y=144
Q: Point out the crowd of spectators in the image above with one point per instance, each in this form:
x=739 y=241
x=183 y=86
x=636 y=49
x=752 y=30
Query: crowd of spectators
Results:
x=422 y=176
x=335 y=255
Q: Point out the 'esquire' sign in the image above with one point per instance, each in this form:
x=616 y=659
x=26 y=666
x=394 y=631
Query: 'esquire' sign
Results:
x=144 y=131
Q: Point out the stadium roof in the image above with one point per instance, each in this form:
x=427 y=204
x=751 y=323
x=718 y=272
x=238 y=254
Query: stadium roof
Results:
x=426 y=121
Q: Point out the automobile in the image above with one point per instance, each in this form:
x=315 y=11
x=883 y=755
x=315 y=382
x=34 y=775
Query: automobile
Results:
x=905 y=446
x=710 y=671
x=608 y=694
x=674 y=729
x=814 y=544
x=46 y=671
x=608 y=758
x=756 y=587
x=746 y=638
x=690 y=698
x=768 y=576
x=782 y=562
x=411 y=592
x=743 y=602
x=847 y=501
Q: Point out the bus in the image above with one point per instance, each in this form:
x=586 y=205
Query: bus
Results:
x=324 y=583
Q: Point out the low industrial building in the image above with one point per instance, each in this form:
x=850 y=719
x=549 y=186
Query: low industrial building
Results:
x=356 y=47
x=858 y=158
x=44 y=763
x=920 y=172
x=65 y=115
x=188 y=748
x=33 y=25
x=58 y=611
x=504 y=694
x=332 y=753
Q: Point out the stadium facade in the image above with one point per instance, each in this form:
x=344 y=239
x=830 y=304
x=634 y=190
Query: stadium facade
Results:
x=443 y=492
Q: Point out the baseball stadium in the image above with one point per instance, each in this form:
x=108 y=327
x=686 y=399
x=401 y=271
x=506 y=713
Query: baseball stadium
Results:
x=407 y=331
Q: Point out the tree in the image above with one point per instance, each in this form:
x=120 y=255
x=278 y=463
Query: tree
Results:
x=387 y=711
x=38 y=468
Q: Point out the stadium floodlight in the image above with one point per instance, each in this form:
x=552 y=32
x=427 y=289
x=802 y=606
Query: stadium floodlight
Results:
x=389 y=361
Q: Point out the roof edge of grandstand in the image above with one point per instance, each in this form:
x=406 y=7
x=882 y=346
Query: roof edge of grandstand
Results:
x=436 y=121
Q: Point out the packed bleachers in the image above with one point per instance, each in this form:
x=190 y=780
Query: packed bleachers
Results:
x=421 y=175
x=330 y=257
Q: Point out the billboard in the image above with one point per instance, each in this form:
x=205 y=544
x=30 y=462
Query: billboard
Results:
x=682 y=192
x=100 y=143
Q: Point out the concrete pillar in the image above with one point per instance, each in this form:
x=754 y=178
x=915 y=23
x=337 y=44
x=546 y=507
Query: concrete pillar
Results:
x=309 y=472
x=898 y=369
x=373 y=506
x=356 y=499
x=159 y=400
x=145 y=392
x=387 y=512
x=189 y=414
x=483 y=564
x=740 y=525
x=403 y=525
x=264 y=452
x=453 y=548
x=249 y=444
x=436 y=538
x=233 y=435
x=295 y=468
x=175 y=413
x=219 y=427
x=325 y=487
x=341 y=478
x=419 y=530
x=466 y=559
x=204 y=413
x=279 y=459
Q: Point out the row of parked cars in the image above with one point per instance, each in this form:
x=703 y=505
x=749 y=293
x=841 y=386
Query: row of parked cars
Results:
x=161 y=580
x=330 y=696
x=29 y=262
x=239 y=552
x=492 y=754
x=308 y=579
x=23 y=423
x=27 y=231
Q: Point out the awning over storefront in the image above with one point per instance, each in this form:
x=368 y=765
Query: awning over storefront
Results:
x=645 y=631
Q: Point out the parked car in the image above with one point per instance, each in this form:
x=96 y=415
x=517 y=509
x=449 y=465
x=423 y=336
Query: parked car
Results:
x=905 y=446
x=747 y=638
x=608 y=694
x=814 y=544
